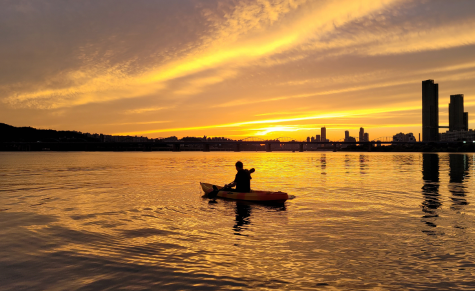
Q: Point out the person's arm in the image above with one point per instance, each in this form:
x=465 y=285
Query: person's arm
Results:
x=233 y=183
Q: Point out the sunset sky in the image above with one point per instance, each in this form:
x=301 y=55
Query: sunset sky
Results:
x=265 y=68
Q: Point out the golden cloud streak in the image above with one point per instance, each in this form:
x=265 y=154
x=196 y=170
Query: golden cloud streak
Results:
x=232 y=47
x=143 y=110
x=321 y=93
x=140 y=122
x=345 y=114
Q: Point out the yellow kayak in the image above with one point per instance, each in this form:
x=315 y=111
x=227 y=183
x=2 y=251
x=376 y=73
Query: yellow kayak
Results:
x=254 y=195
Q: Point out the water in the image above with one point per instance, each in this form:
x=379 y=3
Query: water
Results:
x=137 y=221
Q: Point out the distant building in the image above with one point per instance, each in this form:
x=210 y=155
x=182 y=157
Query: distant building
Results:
x=430 y=111
x=465 y=120
x=404 y=137
x=458 y=135
x=366 y=136
x=308 y=138
x=324 y=133
x=458 y=120
x=312 y=139
x=361 y=136
x=348 y=138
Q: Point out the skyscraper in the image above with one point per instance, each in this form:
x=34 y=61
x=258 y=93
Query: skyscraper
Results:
x=366 y=136
x=465 y=121
x=361 y=137
x=324 y=133
x=347 y=135
x=430 y=111
x=456 y=114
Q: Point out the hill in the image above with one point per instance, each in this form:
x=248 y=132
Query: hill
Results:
x=10 y=133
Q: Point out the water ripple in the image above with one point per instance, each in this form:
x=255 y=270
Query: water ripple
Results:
x=89 y=221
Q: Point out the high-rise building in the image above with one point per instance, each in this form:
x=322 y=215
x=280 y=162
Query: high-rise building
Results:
x=361 y=136
x=465 y=121
x=347 y=134
x=456 y=114
x=317 y=137
x=366 y=136
x=430 y=111
x=324 y=133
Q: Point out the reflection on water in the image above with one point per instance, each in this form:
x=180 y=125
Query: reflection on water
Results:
x=430 y=190
x=243 y=213
x=92 y=221
x=363 y=164
x=459 y=165
x=323 y=162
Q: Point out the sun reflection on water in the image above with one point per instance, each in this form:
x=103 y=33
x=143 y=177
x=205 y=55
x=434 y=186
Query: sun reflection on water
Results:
x=138 y=220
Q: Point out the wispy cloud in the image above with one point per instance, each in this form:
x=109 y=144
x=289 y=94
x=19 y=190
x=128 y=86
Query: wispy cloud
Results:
x=144 y=110
x=286 y=61
x=252 y=32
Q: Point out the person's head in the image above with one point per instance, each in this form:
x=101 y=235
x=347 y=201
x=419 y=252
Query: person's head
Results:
x=239 y=165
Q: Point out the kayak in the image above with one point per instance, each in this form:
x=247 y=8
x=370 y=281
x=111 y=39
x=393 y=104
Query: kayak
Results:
x=254 y=195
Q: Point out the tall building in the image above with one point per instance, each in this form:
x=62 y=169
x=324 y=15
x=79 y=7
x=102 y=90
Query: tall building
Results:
x=457 y=118
x=317 y=137
x=324 y=133
x=347 y=134
x=430 y=111
x=465 y=120
x=361 y=136
x=366 y=136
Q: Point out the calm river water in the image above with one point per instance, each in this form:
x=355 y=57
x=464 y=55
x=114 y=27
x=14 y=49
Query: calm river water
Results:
x=137 y=221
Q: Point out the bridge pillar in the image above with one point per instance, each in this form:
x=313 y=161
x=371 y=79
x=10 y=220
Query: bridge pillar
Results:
x=334 y=147
x=206 y=147
x=238 y=148
x=268 y=148
x=301 y=147
x=176 y=147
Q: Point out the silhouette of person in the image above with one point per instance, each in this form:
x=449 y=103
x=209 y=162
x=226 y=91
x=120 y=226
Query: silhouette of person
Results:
x=242 y=181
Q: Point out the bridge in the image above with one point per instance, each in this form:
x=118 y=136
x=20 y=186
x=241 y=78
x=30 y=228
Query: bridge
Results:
x=252 y=144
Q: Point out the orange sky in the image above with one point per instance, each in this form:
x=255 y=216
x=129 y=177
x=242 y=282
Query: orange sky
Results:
x=266 y=68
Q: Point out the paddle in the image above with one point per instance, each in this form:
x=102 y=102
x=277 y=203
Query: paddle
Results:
x=213 y=194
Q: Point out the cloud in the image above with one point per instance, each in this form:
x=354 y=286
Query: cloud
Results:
x=143 y=110
x=248 y=34
x=122 y=63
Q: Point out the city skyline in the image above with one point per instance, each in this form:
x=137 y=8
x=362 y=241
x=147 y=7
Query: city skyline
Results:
x=233 y=68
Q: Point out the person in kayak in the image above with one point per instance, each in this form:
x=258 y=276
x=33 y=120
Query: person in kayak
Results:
x=243 y=178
